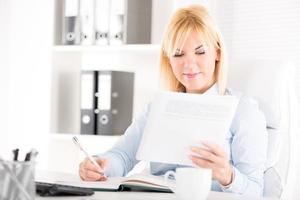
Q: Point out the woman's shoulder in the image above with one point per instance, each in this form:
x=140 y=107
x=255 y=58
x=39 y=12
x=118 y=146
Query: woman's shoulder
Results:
x=245 y=102
x=248 y=110
x=143 y=112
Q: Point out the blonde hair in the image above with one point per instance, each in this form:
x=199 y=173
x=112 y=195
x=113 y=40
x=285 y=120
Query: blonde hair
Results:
x=183 y=22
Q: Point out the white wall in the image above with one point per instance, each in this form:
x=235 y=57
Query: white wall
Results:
x=4 y=63
x=266 y=29
x=26 y=39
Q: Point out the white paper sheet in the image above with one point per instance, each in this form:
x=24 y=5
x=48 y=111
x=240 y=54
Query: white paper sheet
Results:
x=178 y=121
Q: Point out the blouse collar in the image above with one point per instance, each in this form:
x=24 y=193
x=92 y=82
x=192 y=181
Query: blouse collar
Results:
x=213 y=90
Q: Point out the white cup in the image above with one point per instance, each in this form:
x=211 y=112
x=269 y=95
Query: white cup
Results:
x=190 y=183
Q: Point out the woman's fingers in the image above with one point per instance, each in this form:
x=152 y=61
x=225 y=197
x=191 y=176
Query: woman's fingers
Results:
x=215 y=158
x=207 y=155
x=216 y=149
x=91 y=175
x=88 y=165
x=202 y=162
x=89 y=172
x=103 y=178
x=102 y=163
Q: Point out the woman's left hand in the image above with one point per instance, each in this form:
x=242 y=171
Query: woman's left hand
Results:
x=215 y=158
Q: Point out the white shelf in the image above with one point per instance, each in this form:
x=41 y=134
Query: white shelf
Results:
x=96 y=48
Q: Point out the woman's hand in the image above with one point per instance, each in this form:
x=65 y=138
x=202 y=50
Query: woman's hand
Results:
x=89 y=172
x=215 y=158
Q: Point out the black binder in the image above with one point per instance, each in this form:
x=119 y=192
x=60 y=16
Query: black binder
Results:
x=110 y=94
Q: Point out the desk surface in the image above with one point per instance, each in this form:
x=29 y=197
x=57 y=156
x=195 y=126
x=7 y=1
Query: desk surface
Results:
x=46 y=175
x=151 y=196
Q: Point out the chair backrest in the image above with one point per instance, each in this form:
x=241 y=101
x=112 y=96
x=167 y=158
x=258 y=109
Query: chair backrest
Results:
x=272 y=84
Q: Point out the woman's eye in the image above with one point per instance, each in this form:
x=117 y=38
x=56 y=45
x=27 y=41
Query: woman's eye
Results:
x=200 y=52
x=177 y=55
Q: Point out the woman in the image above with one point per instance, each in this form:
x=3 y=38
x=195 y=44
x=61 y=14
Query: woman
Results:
x=193 y=60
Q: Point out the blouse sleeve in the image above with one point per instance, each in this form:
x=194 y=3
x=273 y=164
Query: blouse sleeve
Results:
x=248 y=149
x=121 y=157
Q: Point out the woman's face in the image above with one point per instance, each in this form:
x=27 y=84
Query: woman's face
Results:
x=194 y=66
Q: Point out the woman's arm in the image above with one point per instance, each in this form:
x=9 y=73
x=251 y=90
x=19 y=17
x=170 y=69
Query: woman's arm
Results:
x=248 y=153
x=121 y=157
x=248 y=149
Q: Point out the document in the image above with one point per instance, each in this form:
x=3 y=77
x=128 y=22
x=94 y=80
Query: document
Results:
x=178 y=121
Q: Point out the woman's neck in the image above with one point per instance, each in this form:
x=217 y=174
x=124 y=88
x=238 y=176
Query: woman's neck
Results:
x=202 y=90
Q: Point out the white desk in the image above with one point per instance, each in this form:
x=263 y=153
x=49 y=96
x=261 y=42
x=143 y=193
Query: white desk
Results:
x=150 y=196
x=47 y=175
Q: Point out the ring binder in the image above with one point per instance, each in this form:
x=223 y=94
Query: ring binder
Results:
x=102 y=11
x=106 y=22
x=106 y=102
x=87 y=22
x=71 y=25
x=117 y=22
x=88 y=86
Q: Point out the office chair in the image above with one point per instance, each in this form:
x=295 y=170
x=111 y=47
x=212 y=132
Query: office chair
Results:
x=271 y=83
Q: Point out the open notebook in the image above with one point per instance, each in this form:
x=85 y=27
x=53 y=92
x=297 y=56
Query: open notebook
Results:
x=137 y=182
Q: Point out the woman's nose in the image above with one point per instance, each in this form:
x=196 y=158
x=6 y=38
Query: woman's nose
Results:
x=190 y=60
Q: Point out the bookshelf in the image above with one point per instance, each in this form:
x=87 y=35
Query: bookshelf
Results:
x=133 y=48
x=69 y=60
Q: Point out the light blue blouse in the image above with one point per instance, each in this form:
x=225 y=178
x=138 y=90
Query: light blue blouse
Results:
x=246 y=144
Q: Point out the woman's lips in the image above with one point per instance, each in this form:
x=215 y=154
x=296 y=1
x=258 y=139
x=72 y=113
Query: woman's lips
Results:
x=191 y=75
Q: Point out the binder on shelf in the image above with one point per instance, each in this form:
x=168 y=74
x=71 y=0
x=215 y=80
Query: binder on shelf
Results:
x=71 y=24
x=138 y=21
x=102 y=13
x=106 y=102
x=88 y=103
x=117 y=21
x=104 y=112
x=86 y=13
x=115 y=102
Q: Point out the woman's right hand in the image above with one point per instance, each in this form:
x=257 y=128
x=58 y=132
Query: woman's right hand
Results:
x=89 y=172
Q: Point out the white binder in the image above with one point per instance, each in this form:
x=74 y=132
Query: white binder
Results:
x=88 y=102
x=87 y=22
x=102 y=13
x=117 y=22
x=104 y=88
x=71 y=25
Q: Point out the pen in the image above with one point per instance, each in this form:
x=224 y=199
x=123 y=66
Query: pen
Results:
x=15 y=153
x=27 y=157
x=30 y=156
x=76 y=141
